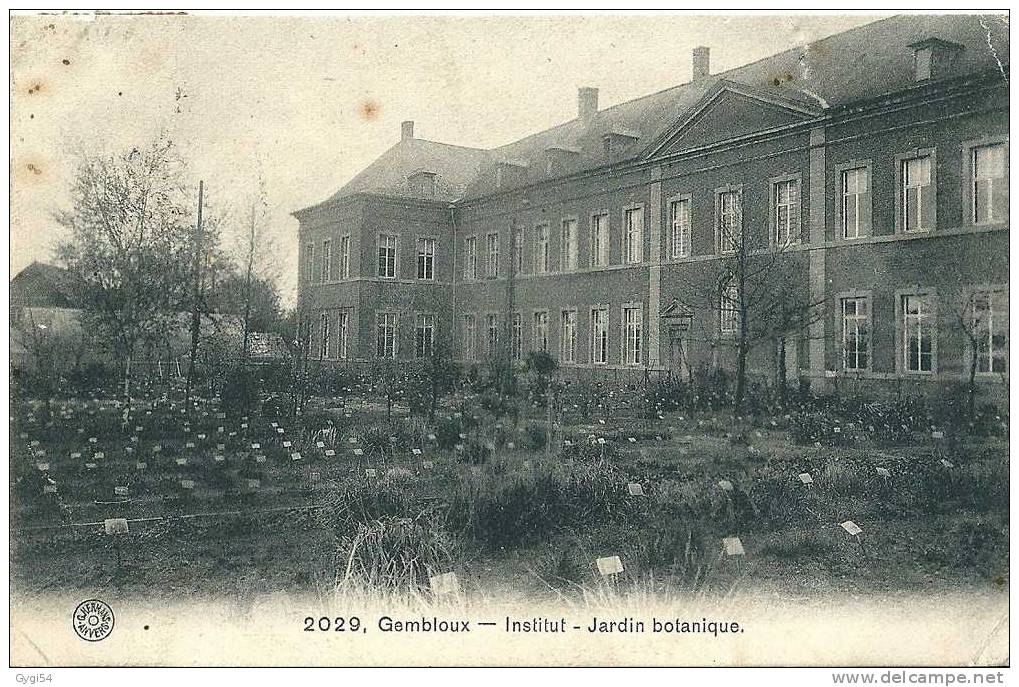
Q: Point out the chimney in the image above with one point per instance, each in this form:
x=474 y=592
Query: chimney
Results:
x=587 y=103
x=700 y=61
x=407 y=131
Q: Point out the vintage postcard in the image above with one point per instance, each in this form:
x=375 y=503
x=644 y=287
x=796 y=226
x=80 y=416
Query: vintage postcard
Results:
x=579 y=339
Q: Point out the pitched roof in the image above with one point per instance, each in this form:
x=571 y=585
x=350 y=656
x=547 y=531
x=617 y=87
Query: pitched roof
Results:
x=856 y=65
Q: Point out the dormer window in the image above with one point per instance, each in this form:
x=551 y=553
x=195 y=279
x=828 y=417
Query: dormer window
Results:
x=558 y=158
x=934 y=58
x=618 y=140
x=422 y=184
x=508 y=172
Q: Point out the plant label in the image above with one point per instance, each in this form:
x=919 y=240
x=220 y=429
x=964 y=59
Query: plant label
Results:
x=601 y=441
x=358 y=452
x=806 y=478
x=49 y=489
x=446 y=583
x=296 y=455
x=116 y=526
x=287 y=444
x=140 y=465
x=187 y=483
x=733 y=546
x=635 y=489
x=947 y=463
x=632 y=440
x=320 y=444
x=609 y=565
x=201 y=437
x=352 y=440
x=851 y=527
x=244 y=425
x=220 y=447
x=259 y=459
x=182 y=461
x=725 y=485
x=254 y=483
x=218 y=458
x=120 y=491
x=189 y=444
x=937 y=435
x=884 y=472
x=330 y=453
x=431 y=437
x=416 y=451
x=76 y=455
x=93 y=440
x=255 y=447
x=90 y=466
x=43 y=467
x=157 y=448
x=370 y=472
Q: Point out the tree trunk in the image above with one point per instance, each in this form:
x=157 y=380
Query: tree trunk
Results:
x=782 y=382
x=972 y=395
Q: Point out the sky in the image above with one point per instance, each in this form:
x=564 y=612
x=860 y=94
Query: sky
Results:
x=300 y=104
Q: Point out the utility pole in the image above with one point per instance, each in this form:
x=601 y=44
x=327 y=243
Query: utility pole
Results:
x=195 y=315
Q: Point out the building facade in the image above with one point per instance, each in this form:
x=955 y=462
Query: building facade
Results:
x=860 y=183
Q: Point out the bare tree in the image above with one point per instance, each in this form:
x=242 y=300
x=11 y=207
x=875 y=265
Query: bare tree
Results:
x=755 y=291
x=131 y=224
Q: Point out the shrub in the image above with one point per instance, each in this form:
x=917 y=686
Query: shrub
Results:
x=535 y=436
x=812 y=428
x=240 y=389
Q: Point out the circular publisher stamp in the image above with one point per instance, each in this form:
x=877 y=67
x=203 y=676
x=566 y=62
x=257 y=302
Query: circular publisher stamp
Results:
x=93 y=620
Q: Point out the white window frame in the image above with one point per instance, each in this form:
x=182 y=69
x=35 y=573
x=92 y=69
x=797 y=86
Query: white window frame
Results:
x=793 y=207
x=492 y=255
x=568 y=336
x=327 y=261
x=492 y=343
x=601 y=237
x=324 y=336
x=343 y=333
x=395 y=240
x=680 y=226
x=517 y=336
x=728 y=243
x=632 y=341
x=470 y=257
x=901 y=205
x=470 y=336
x=969 y=152
x=424 y=321
x=633 y=235
x=344 y=265
x=541 y=339
x=388 y=345
x=309 y=262
x=425 y=263
x=859 y=327
x=542 y=258
x=569 y=245
x=991 y=293
x=862 y=201
x=728 y=308
x=927 y=320
x=599 y=338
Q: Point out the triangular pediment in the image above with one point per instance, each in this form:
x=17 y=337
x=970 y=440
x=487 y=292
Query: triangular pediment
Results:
x=731 y=111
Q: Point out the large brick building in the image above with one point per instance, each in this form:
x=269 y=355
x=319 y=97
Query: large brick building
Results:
x=875 y=161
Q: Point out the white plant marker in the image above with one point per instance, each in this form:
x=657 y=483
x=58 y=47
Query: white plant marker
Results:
x=806 y=478
x=49 y=489
x=445 y=583
x=884 y=472
x=733 y=546
x=182 y=461
x=330 y=453
x=635 y=489
x=260 y=459
x=851 y=527
x=510 y=445
x=431 y=437
x=632 y=440
x=320 y=444
x=947 y=463
x=43 y=467
x=187 y=483
x=296 y=455
x=120 y=491
x=254 y=483
x=937 y=434
x=416 y=451
x=116 y=526
x=725 y=485
x=255 y=447
x=218 y=458
x=609 y=565
x=601 y=441
x=141 y=465
x=287 y=444
x=370 y=472
x=358 y=452
x=90 y=466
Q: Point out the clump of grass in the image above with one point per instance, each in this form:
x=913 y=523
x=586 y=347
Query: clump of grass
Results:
x=396 y=554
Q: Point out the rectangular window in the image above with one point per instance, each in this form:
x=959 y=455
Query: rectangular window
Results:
x=344 y=262
x=786 y=199
x=918 y=331
x=855 y=203
x=471 y=257
x=343 y=331
x=517 y=337
x=679 y=221
x=309 y=263
x=327 y=260
x=492 y=329
x=518 y=252
x=424 y=335
x=426 y=258
x=989 y=184
x=599 y=240
x=632 y=326
x=470 y=334
x=324 y=333
x=492 y=265
x=729 y=218
x=633 y=237
x=541 y=331
x=989 y=323
x=385 y=335
x=568 y=340
x=387 y=256
x=728 y=309
x=599 y=336
x=568 y=246
x=917 y=194
x=855 y=334
x=541 y=256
